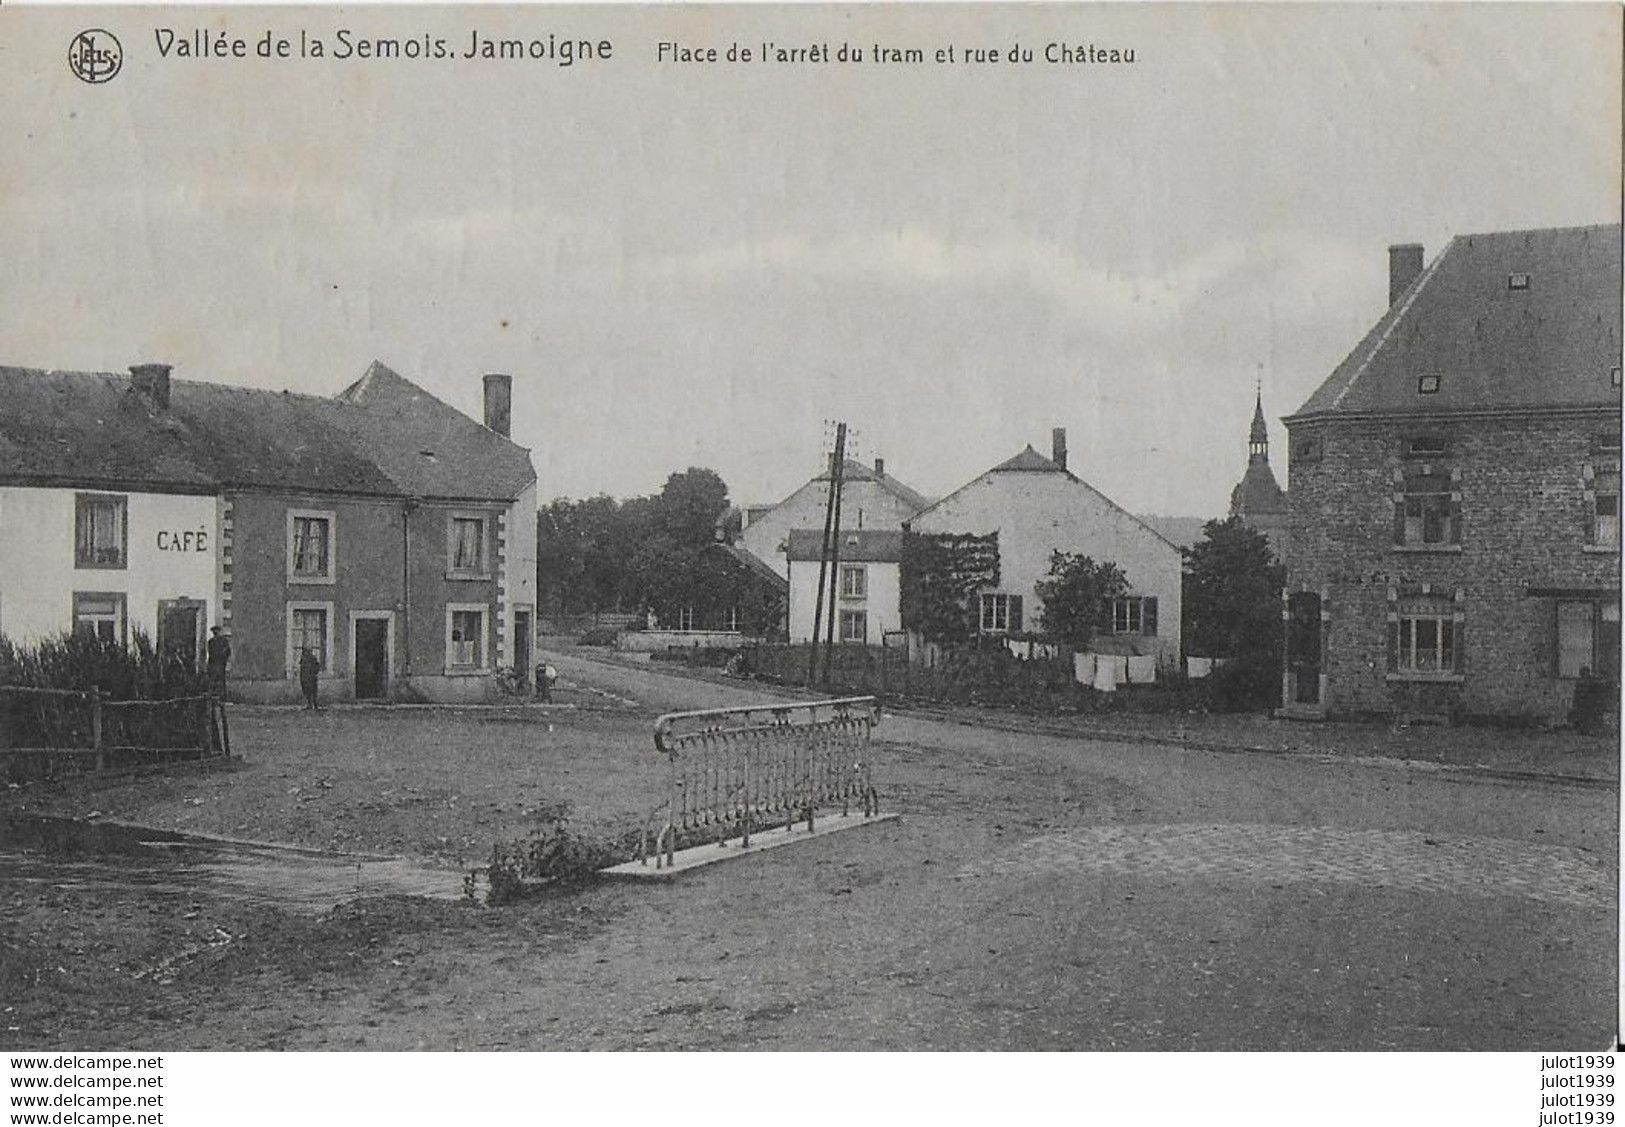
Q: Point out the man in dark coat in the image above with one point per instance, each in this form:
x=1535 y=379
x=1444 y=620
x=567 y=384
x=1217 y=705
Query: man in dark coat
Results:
x=219 y=655
x=308 y=668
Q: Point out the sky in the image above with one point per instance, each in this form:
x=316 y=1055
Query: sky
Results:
x=700 y=264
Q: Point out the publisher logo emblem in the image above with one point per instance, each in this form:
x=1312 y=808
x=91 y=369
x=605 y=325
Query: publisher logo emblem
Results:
x=95 y=55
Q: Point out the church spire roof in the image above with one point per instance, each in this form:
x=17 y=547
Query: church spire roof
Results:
x=1258 y=493
x=1260 y=433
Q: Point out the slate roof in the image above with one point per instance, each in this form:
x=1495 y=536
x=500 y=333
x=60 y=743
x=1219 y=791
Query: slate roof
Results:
x=1257 y=492
x=1491 y=346
x=428 y=448
x=94 y=430
x=870 y=545
x=753 y=565
x=857 y=471
x=1028 y=461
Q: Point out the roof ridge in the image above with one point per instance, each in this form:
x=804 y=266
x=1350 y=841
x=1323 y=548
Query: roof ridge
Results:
x=1537 y=230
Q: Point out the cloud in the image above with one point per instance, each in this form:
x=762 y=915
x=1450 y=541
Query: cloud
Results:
x=1105 y=298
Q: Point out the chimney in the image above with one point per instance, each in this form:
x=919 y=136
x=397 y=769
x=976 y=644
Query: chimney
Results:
x=152 y=381
x=1404 y=267
x=880 y=467
x=1057 y=443
x=499 y=403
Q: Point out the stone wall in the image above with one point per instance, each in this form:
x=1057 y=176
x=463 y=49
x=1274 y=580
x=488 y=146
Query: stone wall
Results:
x=1525 y=516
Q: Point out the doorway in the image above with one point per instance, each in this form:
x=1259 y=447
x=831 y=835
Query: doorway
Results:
x=180 y=633
x=370 y=647
x=521 y=645
x=1303 y=647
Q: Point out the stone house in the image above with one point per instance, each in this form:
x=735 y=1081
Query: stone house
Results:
x=381 y=529
x=1038 y=507
x=1454 y=488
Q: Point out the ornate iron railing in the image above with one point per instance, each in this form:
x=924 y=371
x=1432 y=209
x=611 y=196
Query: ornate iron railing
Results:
x=734 y=770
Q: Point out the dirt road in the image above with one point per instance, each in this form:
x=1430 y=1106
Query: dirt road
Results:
x=1036 y=893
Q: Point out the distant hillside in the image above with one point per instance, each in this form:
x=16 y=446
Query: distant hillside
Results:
x=1184 y=531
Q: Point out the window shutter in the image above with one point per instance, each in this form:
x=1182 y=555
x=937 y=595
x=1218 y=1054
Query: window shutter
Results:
x=1393 y=644
x=1455 y=504
x=1015 y=614
x=1458 y=628
x=1148 y=617
x=1399 y=518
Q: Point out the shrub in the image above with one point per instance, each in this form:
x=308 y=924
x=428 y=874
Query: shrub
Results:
x=1245 y=684
x=1592 y=700
x=79 y=662
x=599 y=636
x=550 y=856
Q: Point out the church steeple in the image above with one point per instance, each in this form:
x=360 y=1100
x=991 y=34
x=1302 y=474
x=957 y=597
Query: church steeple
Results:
x=1258 y=439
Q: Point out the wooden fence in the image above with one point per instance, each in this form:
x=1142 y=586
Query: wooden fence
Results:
x=49 y=732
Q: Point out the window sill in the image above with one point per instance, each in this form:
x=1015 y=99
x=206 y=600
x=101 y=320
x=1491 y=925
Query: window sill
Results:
x=1428 y=678
x=1428 y=549
x=81 y=565
x=1600 y=549
x=469 y=575
x=311 y=579
x=466 y=671
x=854 y=598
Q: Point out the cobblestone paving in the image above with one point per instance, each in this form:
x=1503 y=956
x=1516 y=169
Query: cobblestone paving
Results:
x=1270 y=854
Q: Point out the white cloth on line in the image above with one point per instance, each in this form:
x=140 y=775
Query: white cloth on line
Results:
x=1142 y=670
x=1083 y=668
x=1198 y=667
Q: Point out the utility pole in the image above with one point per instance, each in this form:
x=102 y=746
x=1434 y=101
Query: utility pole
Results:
x=831 y=506
x=834 y=552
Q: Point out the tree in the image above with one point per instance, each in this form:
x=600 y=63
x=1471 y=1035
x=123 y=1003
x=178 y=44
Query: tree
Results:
x=1077 y=597
x=1232 y=609
x=1232 y=595
x=603 y=554
x=689 y=505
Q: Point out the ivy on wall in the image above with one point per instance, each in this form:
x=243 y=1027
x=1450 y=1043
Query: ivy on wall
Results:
x=939 y=574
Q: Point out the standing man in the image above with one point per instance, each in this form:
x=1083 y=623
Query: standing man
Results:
x=308 y=668
x=219 y=656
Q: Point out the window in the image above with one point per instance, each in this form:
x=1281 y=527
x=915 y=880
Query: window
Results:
x=1423 y=636
x=1605 y=507
x=1588 y=638
x=854 y=627
x=100 y=531
x=99 y=614
x=1602 y=493
x=1001 y=614
x=685 y=618
x=310 y=547
x=1427 y=446
x=465 y=637
x=731 y=620
x=1427 y=385
x=854 y=581
x=1517 y=281
x=1427 y=514
x=1613 y=375
x=1134 y=614
x=465 y=547
x=1305 y=450
x=307 y=630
